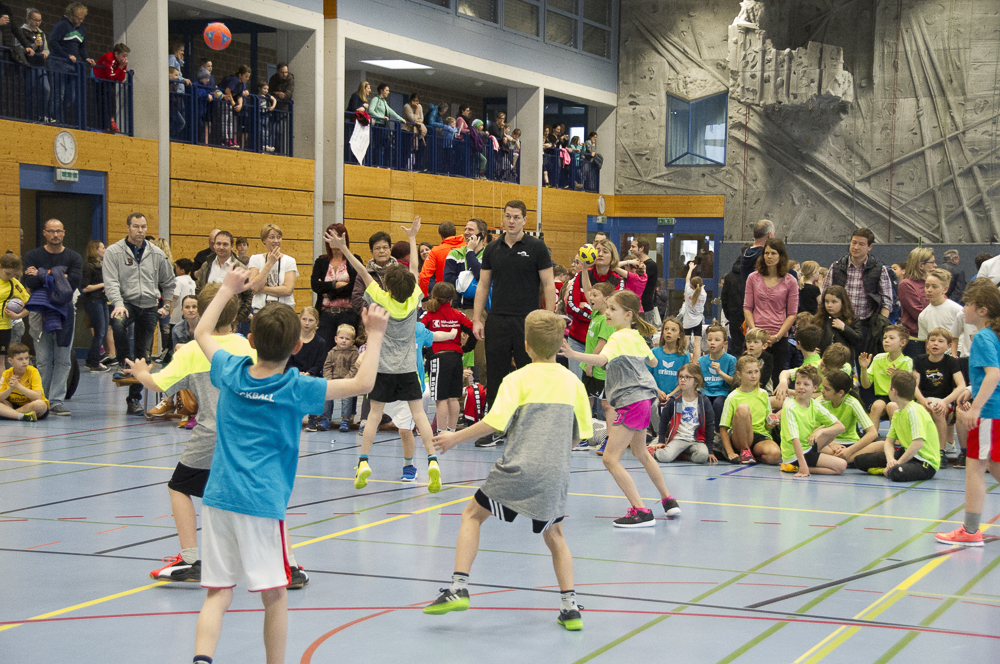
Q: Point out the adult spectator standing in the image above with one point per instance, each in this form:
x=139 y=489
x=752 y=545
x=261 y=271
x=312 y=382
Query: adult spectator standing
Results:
x=111 y=67
x=436 y=116
x=360 y=98
x=522 y=266
x=771 y=302
x=214 y=270
x=640 y=247
x=433 y=267
x=53 y=349
x=958 y=283
x=282 y=86
x=868 y=285
x=468 y=259
x=137 y=275
x=36 y=48
x=67 y=42
x=383 y=258
x=731 y=299
x=379 y=109
x=272 y=274
x=413 y=113
x=206 y=255
x=763 y=231
x=333 y=280
x=913 y=298
x=95 y=303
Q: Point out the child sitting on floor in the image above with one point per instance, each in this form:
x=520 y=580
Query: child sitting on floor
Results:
x=806 y=428
x=687 y=421
x=21 y=394
x=880 y=370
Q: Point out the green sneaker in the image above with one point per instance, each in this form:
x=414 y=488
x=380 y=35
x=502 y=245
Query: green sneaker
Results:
x=571 y=620
x=876 y=471
x=30 y=416
x=434 y=474
x=362 y=475
x=448 y=601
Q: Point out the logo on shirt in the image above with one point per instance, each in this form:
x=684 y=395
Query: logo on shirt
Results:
x=689 y=415
x=935 y=376
x=129 y=261
x=257 y=396
x=523 y=253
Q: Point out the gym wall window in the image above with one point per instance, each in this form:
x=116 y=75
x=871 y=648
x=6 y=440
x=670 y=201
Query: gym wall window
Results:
x=696 y=131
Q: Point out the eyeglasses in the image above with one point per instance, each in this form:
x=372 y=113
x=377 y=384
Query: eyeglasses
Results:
x=685 y=378
x=54 y=232
x=930 y=262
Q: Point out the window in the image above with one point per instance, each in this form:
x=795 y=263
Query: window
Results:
x=696 y=131
x=568 y=6
x=521 y=15
x=597 y=11
x=439 y=3
x=485 y=10
x=596 y=41
x=560 y=29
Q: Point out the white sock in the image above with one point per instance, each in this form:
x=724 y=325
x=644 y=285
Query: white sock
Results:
x=568 y=600
x=190 y=555
x=459 y=581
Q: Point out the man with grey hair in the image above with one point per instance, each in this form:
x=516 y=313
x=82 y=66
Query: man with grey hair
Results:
x=957 y=286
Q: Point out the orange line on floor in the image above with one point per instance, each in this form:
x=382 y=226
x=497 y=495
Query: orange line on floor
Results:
x=108 y=531
x=40 y=546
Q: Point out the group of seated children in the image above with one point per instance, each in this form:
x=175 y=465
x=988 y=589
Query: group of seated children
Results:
x=813 y=422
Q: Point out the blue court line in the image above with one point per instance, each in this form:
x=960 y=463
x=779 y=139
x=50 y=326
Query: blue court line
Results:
x=740 y=469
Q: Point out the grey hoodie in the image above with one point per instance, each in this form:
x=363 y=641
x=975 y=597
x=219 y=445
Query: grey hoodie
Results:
x=140 y=283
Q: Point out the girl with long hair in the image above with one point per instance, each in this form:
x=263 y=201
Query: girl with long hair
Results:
x=835 y=317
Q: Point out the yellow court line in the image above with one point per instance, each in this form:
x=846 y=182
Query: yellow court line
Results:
x=876 y=608
x=92 y=602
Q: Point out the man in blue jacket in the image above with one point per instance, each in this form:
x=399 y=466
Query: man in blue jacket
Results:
x=67 y=47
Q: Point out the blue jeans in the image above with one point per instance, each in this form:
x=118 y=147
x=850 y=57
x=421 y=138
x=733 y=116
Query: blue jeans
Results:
x=53 y=361
x=347 y=408
x=97 y=311
x=144 y=322
x=574 y=365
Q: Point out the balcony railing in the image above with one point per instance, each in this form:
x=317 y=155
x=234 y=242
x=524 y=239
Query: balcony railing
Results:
x=200 y=117
x=392 y=146
x=64 y=94
x=580 y=174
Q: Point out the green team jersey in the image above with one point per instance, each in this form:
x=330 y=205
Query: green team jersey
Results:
x=759 y=406
x=915 y=422
x=816 y=361
x=851 y=414
x=799 y=422
x=878 y=372
x=599 y=329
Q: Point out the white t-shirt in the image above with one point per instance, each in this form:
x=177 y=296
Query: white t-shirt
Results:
x=694 y=312
x=217 y=272
x=941 y=315
x=183 y=286
x=689 y=421
x=964 y=333
x=990 y=269
x=274 y=278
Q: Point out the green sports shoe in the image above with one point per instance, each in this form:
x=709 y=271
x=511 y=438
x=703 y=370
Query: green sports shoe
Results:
x=449 y=601
x=364 y=471
x=571 y=620
x=434 y=474
x=876 y=471
x=30 y=416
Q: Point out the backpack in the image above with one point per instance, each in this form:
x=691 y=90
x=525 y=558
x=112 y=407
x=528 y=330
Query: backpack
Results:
x=475 y=402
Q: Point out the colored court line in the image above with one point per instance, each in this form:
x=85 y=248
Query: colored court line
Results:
x=38 y=546
x=75 y=433
x=818 y=652
x=85 y=605
x=93 y=495
x=111 y=530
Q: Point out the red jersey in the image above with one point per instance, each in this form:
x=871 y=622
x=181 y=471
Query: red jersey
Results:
x=446 y=319
x=577 y=306
x=106 y=68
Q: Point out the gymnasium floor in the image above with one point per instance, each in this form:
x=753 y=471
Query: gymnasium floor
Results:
x=748 y=573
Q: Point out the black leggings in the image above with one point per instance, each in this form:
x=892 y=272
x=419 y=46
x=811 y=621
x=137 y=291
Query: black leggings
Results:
x=779 y=351
x=911 y=471
x=329 y=322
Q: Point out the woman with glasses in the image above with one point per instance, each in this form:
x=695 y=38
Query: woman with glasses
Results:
x=912 y=297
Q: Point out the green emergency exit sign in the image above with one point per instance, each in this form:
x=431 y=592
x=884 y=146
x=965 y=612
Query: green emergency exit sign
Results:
x=666 y=221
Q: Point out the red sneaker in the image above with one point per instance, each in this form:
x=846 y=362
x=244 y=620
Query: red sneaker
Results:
x=960 y=537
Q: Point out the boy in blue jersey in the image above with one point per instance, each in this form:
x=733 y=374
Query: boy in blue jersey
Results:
x=717 y=368
x=258 y=419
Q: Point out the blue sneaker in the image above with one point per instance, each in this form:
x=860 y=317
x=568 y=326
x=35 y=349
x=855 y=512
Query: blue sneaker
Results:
x=344 y=426
x=600 y=450
x=323 y=424
x=409 y=474
x=582 y=446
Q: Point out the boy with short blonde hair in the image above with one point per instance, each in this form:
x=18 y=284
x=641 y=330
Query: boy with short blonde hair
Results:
x=940 y=312
x=544 y=410
x=879 y=371
x=21 y=394
x=939 y=384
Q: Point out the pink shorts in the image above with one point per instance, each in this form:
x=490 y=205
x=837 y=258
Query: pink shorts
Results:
x=635 y=416
x=984 y=440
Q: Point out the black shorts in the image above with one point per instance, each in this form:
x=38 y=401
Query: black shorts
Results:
x=4 y=341
x=507 y=514
x=445 y=376
x=396 y=387
x=759 y=437
x=812 y=456
x=189 y=481
x=594 y=386
x=693 y=331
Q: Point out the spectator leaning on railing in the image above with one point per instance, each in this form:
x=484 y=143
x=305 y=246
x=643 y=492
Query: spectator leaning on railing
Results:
x=378 y=107
x=36 y=47
x=112 y=66
x=282 y=85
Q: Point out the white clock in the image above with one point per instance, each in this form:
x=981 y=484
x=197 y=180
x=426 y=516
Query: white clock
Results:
x=65 y=148
x=600 y=205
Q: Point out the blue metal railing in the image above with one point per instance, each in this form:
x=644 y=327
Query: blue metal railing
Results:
x=199 y=115
x=64 y=94
x=392 y=146
x=579 y=173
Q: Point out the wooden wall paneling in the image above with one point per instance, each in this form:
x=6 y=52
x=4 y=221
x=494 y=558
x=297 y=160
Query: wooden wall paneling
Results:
x=669 y=206
x=402 y=211
x=401 y=184
x=362 y=181
x=577 y=202
x=365 y=207
x=202 y=163
x=117 y=214
x=190 y=221
x=360 y=230
x=213 y=196
x=440 y=189
x=10 y=177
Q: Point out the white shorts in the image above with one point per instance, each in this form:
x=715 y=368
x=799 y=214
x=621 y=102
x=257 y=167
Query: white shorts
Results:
x=236 y=545
x=399 y=413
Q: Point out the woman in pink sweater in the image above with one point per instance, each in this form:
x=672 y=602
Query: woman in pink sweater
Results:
x=772 y=301
x=912 y=298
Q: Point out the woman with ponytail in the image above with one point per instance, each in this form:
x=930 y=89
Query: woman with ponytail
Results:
x=694 y=310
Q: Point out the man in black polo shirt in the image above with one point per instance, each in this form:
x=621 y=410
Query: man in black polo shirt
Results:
x=516 y=266
x=640 y=247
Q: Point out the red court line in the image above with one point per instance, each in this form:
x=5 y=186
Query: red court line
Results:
x=766 y=523
x=994 y=519
x=939 y=599
x=39 y=546
x=113 y=529
x=814 y=525
x=712 y=521
x=995 y=606
x=11 y=520
x=888 y=530
x=130 y=517
x=70 y=518
x=162 y=517
x=74 y=433
x=858 y=590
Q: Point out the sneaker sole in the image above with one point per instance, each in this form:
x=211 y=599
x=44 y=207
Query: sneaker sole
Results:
x=441 y=609
x=361 y=481
x=673 y=511
x=434 y=475
x=950 y=543
x=643 y=524
x=574 y=625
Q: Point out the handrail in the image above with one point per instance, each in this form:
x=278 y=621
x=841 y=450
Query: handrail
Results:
x=200 y=115
x=580 y=174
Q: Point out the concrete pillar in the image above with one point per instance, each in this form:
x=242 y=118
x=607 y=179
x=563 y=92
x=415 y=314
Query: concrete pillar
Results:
x=334 y=103
x=525 y=111
x=142 y=24
x=602 y=120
